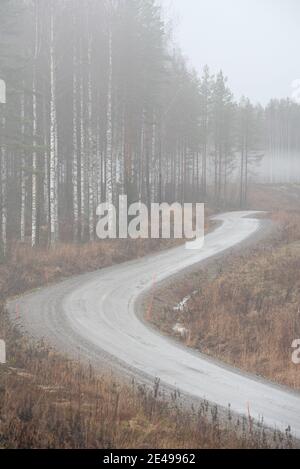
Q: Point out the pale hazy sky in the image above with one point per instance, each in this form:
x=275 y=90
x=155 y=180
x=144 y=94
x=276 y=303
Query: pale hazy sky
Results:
x=255 y=42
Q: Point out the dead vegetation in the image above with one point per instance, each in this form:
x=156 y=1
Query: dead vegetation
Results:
x=47 y=401
x=246 y=311
x=274 y=197
x=28 y=268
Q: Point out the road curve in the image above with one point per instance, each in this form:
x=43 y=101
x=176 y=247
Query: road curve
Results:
x=95 y=316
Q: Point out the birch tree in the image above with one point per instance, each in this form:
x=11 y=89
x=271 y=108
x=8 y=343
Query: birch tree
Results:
x=34 y=127
x=109 y=130
x=75 y=134
x=101 y=102
x=53 y=137
x=3 y=188
x=23 y=172
x=90 y=144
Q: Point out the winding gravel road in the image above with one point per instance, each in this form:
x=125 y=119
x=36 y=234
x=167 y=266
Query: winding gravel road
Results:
x=95 y=316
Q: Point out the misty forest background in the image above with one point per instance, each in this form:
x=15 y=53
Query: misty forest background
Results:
x=100 y=102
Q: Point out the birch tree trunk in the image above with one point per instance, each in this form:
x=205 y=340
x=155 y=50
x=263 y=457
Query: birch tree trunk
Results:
x=34 y=130
x=153 y=169
x=141 y=158
x=82 y=154
x=90 y=144
x=109 y=175
x=34 y=164
x=53 y=138
x=75 y=145
x=246 y=175
x=46 y=165
x=99 y=166
x=23 y=173
x=242 y=177
x=3 y=190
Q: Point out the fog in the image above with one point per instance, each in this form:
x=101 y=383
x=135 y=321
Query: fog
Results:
x=102 y=100
x=255 y=42
x=149 y=226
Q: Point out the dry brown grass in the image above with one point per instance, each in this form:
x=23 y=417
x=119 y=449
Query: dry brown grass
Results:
x=274 y=197
x=28 y=268
x=247 y=311
x=48 y=401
